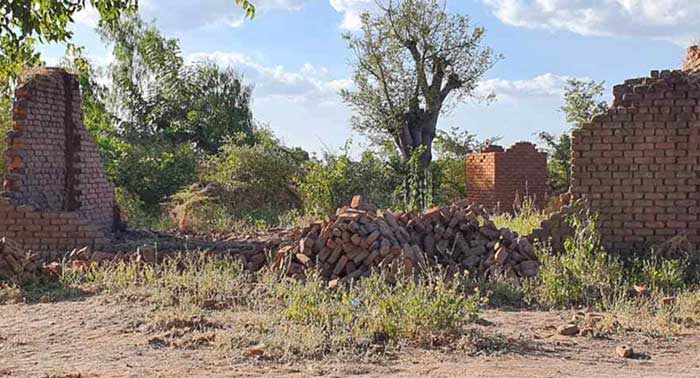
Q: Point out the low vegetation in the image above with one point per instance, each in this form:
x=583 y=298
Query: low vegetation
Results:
x=354 y=319
x=198 y=300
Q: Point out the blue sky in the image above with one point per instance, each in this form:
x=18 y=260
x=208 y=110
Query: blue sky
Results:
x=293 y=53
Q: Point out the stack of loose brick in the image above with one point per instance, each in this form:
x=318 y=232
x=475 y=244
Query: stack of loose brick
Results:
x=16 y=264
x=359 y=239
x=638 y=164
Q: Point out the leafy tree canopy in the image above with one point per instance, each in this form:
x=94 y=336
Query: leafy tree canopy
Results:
x=26 y=22
x=581 y=101
x=411 y=63
x=156 y=95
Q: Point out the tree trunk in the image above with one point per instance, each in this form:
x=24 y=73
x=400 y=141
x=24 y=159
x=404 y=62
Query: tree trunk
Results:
x=418 y=130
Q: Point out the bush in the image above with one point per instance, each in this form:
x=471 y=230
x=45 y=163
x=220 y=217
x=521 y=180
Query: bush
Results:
x=584 y=273
x=137 y=215
x=656 y=274
x=426 y=311
x=525 y=220
x=156 y=171
x=452 y=181
x=244 y=183
x=328 y=184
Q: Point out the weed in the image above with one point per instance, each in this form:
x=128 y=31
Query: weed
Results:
x=653 y=315
x=10 y=293
x=293 y=318
x=659 y=274
x=584 y=273
x=525 y=219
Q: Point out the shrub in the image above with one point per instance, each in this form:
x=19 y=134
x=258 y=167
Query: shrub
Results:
x=659 y=274
x=525 y=219
x=251 y=182
x=425 y=311
x=452 y=180
x=156 y=171
x=584 y=273
x=328 y=184
x=137 y=215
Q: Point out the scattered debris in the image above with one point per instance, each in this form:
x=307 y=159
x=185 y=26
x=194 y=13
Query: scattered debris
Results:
x=568 y=329
x=624 y=351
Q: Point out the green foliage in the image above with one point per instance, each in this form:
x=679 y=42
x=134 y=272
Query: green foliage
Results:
x=218 y=108
x=657 y=274
x=524 y=220
x=558 y=162
x=412 y=61
x=328 y=184
x=455 y=144
x=426 y=311
x=137 y=215
x=155 y=171
x=417 y=192
x=5 y=127
x=451 y=177
x=254 y=181
x=23 y=23
x=584 y=274
x=581 y=104
x=158 y=97
x=581 y=101
x=13 y=60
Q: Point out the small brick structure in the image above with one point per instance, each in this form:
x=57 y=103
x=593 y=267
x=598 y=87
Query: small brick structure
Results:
x=638 y=165
x=56 y=195
x=498 y=178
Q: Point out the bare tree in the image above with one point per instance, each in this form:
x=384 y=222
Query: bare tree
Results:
x=413 y=61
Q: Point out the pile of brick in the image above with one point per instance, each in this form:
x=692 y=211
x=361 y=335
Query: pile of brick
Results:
x=17 y=265
x=359 y=239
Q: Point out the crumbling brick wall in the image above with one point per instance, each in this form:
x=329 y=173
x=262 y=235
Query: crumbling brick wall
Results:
x=498 y=178
x=638 y=164
x=56 y=195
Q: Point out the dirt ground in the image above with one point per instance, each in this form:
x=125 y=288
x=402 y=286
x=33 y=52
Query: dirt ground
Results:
x=95 y=338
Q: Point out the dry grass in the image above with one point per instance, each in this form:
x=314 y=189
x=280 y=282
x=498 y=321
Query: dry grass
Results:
x=199 y=300
x=655 y=315
x=10 y=293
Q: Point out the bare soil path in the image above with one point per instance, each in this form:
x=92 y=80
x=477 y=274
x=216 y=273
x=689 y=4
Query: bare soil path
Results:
x=96 y=338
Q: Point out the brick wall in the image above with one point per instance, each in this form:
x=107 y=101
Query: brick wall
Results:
x=497 y=178
x=56 y=195
x=638 y=164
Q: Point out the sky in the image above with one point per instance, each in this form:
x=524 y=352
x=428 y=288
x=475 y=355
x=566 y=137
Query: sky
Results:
x=293 y=53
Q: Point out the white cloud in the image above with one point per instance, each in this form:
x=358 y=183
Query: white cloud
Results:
x=309 y=84
x=351 y=10
x=88 y=16
x=674 y=20
x=184 y=15
x=544 y=86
